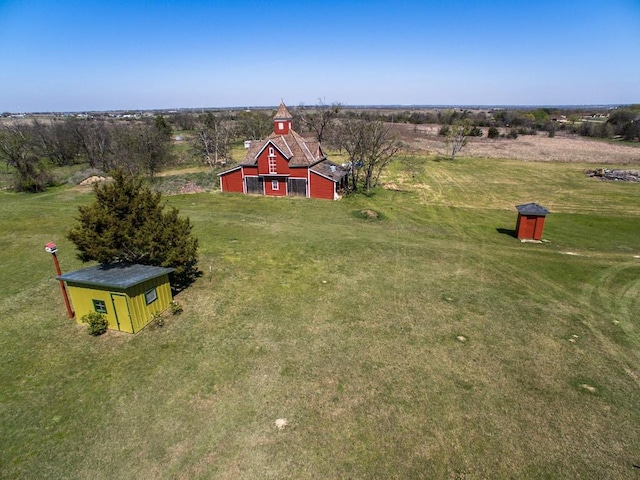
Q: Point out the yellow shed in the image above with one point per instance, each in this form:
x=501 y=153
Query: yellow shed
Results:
x=128 y=295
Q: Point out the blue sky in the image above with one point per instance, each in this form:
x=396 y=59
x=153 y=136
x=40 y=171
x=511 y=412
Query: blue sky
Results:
x=69 y=55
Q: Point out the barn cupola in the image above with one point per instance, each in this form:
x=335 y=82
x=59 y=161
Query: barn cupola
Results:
x=282 y=121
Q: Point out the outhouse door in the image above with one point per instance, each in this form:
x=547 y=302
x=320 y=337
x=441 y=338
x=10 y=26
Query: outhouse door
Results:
x=121 y=309
x=529 y=227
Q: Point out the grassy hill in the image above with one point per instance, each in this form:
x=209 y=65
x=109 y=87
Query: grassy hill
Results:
x=425 y=342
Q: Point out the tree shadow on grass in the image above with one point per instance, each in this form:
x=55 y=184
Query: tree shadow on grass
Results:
x=507 y=231
x=184 y=277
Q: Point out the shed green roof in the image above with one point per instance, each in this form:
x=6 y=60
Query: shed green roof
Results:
x=120 y=276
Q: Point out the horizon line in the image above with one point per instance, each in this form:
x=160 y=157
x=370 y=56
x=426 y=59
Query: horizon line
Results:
x=344 y=106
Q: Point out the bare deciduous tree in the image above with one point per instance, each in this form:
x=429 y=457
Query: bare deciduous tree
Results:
x=212 y=140
x=370 y=146
x=137 y=147
x=95 y=137
x=319 y=119
x=254 y=125
x=19 y=149
x=57 y=141
x=456 y=138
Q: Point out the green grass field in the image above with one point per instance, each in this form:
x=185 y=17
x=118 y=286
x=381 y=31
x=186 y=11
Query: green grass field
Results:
x=347 y=328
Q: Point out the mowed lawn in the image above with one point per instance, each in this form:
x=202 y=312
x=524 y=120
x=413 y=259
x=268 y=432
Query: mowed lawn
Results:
x=427 y=343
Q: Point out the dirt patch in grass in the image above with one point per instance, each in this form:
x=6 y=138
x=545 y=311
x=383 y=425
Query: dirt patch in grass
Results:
x=93 y=179
x=368 y=214
x=190 y=187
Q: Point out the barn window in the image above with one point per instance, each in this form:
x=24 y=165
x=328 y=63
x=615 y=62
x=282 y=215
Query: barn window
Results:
x=151 y=296
x=275 y=185
x=271 y=152
x=280 y=125
x=99 y=306
x=273 y=168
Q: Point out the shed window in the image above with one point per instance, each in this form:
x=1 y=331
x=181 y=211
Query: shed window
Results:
x=151 y=296
x=99 y=306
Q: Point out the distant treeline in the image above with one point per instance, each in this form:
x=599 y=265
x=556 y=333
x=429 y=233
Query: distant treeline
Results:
x=32 y=145
x=621 y=122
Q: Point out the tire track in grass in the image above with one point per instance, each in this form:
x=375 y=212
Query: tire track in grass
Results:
x=616 y=290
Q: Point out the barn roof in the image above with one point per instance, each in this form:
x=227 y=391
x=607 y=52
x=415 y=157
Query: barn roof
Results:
x=532 y=209
x=282 y=113
x=298 y=150
x=329 y=169
x=120 y=276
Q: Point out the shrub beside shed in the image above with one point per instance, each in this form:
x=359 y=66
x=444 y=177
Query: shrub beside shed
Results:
x=530 y=223
x=128 y=295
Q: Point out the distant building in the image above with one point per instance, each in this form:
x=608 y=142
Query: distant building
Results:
x=285 y=164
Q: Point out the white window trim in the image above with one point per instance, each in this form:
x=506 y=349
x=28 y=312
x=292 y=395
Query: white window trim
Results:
x=273 y=165
x=150 y=296
x=275 y=185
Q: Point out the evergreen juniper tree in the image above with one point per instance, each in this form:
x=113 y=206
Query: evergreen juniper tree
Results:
x=128 y=223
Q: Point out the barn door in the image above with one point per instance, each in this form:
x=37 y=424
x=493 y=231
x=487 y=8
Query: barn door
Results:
x=121 y=310
x=254 y=185
x=297 y=187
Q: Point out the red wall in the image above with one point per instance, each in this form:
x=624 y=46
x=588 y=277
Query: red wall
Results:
x=537 y=233
x=286 y=126
x=263 y=162
x=530 y=227
x=298 y=172
x=282 y=187
x=250 y=171
x=320 y=187
x=232 y=181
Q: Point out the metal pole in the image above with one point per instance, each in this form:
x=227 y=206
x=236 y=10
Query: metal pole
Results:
x=62 y=287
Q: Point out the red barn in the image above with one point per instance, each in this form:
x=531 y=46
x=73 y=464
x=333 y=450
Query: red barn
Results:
x=285 y=164
x=530 y=221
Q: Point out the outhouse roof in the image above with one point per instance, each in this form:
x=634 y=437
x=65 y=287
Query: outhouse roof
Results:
x=121 y=276
x=532 y=209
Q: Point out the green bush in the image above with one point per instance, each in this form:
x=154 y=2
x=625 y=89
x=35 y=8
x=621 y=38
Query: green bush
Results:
x=96 y=323
x=475 y=131
x=175 y=308
x=157 y=319
x=493 y=132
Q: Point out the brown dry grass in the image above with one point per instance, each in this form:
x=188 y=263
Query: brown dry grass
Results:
x=535 y=148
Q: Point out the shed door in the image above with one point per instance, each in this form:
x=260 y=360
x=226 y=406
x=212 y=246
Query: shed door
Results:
x=527 y=227
x=121 y=310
